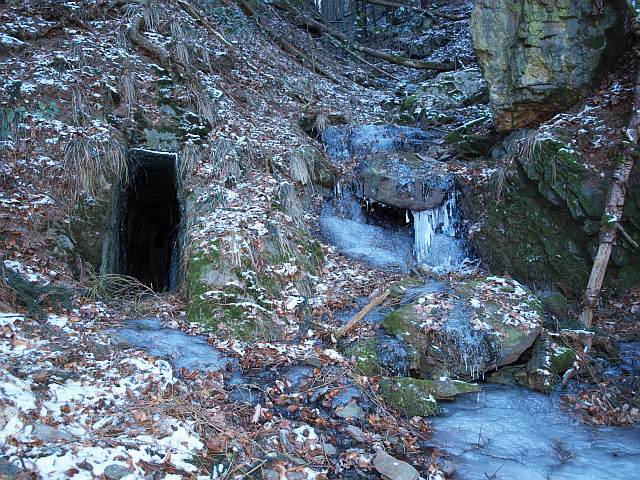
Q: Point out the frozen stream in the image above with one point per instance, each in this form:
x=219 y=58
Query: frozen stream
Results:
x=520 y=434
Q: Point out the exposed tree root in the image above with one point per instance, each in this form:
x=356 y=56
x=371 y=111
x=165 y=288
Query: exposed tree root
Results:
x=135 y=35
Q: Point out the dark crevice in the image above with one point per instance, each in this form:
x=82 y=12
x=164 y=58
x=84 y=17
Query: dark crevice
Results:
x=150 y=225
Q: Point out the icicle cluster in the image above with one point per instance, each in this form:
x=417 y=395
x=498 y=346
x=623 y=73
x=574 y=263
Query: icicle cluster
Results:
x=437 y=224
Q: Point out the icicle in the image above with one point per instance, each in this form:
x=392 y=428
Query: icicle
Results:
x=406 y=216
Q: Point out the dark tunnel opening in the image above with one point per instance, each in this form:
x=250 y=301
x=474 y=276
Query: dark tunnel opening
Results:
x=150 y=229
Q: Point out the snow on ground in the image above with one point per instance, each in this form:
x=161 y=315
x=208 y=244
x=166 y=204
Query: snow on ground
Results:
x=69 y=412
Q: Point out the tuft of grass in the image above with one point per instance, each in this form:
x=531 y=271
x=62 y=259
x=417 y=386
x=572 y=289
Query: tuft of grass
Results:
x=79 y=107
x=129 y=89
x=90 y=167
x=181 y=45
x=204 y=107
x=122 y=291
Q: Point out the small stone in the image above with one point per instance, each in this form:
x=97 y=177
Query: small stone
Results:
x=330 y=449
x=351 y=410
x=9 y=470
x=48 y=434
x=270 y=474
x=393 y=469
x=65 y=243
x=356 y=433
x=115 y=472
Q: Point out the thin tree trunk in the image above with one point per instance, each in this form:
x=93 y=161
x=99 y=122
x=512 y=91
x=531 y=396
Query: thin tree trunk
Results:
x=610 y=220
x=613 y=211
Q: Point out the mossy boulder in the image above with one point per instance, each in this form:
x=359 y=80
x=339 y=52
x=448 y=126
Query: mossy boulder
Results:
x=539 y=216
x=240 y=282
x=555 y=304
x=469 y=328
x=410 y=396
x=547 y=362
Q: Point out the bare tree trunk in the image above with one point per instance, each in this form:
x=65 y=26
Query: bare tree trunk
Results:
x=424 y=11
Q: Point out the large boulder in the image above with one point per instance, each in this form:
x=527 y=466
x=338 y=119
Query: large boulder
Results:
x=345 y=142
x=404 y=180
x=540 y=56
x=468 y=328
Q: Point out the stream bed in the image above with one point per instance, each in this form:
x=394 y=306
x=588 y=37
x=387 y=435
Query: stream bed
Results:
x=503 y=432
x=516 y=433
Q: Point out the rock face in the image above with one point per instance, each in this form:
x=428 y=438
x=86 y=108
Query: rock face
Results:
x=392 y=468
x=467 y=329
x=540 y=56
x=541 y=225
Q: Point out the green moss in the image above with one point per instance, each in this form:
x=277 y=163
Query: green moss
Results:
x=533 y=240
x=561 y=359
x=365 y=353
x=410 y=396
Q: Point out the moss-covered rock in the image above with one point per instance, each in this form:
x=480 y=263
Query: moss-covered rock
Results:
x=543 y=370
x=540 y=216
x=239 y=282
x=468 y=329
x=410 y=396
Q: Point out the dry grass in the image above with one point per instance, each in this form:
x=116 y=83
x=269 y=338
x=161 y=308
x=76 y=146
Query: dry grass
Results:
x=79 y=107
x=181 y=45
x=226 y=161
x=202 y=102
x=301 y=167
x=190 y=156
x=129 y=89
x=124 y=292
x=90 y=167
x=290 y=202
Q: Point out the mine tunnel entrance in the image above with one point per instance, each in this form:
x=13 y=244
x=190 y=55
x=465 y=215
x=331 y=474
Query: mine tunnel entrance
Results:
x=150 y=222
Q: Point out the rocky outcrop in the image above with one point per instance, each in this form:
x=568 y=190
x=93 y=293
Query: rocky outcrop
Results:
x=539 y=215
x=540 y=56
x=468 y=328
x=404 y=180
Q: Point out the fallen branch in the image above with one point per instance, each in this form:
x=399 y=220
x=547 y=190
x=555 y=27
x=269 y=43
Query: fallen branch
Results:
x=311 y=24
x=361 y=314
x=428 y=13
x=627 y=237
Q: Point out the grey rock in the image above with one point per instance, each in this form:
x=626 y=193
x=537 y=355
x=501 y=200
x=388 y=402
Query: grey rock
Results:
x=355 y=432
x=9 y=470
x=350 y=410
x=64 y=243
x=404 y=180
x=48 y=434
x=330 y=449
x=393 y=469
x=539 y=57
x=116 y=472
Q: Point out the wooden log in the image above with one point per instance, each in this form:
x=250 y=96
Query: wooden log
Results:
x=315 y=25
x=361 y=314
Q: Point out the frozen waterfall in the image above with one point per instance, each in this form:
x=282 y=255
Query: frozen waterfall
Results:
x=436 y=244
